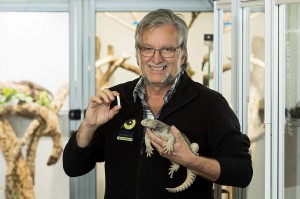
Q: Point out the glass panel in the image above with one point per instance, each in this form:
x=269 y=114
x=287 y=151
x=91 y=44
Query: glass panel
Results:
x=115 y=40
x=226 y=57
x=292 y=102
x=256 y=96
x=34 y=67
x=226 y=75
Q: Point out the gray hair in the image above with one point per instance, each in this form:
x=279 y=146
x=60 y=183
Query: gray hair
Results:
x=161 y=17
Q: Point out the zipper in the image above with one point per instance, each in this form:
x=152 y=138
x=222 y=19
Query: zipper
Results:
x=139 y=177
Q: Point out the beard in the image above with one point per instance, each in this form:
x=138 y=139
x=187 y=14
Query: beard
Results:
x=168 y=80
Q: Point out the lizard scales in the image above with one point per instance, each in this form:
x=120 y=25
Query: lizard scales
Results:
x=163 y=130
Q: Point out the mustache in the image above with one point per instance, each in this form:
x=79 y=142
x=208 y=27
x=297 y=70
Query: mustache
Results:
x=151 y=64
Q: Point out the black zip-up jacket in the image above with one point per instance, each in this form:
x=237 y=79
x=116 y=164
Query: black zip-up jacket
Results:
x=202 y=114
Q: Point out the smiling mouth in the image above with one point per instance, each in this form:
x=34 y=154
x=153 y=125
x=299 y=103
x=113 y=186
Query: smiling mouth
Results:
x=158 y=68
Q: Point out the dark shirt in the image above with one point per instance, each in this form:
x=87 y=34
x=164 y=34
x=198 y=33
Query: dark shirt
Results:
x=200 y=113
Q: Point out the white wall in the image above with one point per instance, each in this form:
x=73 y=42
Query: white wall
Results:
x=35 y=47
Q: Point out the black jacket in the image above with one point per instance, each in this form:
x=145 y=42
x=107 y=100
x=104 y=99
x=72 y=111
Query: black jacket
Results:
x=202 y=114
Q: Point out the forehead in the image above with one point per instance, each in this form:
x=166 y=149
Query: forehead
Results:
x=163 y=35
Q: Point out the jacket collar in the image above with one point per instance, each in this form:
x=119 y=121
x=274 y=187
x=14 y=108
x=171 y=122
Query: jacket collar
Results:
x=185 y=92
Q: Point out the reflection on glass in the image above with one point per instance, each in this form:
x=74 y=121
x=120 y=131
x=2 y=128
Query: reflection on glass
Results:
x=226 y=57
x=226 y=191
x=256 y=96
x=292 y=102
x=34 y=67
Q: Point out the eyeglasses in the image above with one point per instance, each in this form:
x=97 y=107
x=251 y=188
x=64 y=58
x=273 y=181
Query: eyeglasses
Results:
x=164 y=52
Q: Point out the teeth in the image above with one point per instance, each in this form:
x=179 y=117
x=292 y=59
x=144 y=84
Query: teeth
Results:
x=158 y=68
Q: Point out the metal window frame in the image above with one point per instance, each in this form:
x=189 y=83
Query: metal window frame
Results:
x=219 y=8
x=218 y=27
x=269 y=54
x=245 y=5
x=47 y=6
x=278 y=104
x=148 y=5
x=281 y=98
x=83 y=58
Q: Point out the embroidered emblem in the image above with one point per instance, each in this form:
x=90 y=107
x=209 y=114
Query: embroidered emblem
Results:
x=126 y=131
x=129 y=124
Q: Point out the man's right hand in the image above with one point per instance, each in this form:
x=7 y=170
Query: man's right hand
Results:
x=97 y=113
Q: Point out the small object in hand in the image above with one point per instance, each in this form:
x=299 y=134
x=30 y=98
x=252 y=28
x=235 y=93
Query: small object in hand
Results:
x=118 y=100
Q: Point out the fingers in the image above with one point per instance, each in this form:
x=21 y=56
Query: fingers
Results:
x=154 y=138
x=104 y=96
x=159 y=143
x=107 y=96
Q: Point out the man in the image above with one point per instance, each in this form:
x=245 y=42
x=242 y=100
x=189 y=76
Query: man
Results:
x=113 y=134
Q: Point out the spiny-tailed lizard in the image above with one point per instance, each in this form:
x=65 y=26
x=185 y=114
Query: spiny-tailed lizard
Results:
x=163 y=130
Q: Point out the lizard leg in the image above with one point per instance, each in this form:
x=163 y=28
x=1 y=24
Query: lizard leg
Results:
x=173 y=168
x=194 y=148
x=170 y=144
x=149 y=149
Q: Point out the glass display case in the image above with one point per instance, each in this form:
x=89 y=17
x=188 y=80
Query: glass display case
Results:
x=34 y=76
x=290 y=65
x=224 y=81
x=254 y=63
x=252 y=60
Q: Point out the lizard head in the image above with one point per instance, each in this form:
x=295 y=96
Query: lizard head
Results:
x=154 y=124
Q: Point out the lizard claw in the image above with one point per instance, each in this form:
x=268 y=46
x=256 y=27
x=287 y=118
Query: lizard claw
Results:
x=168 y=149
x=173 y=168
x=149 y=151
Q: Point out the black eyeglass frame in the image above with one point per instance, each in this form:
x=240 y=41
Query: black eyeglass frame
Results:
x=159 y=51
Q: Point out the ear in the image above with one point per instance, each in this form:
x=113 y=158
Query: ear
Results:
x=184 y=56
x=137 y=56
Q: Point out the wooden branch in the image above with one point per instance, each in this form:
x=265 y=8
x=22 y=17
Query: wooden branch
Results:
x=256 y=61
x=59 y=98
x=20 y=172
x=134 y=16
x=105 y=60
x=131 y=68
x=194 y=17
x=98 y=48
x=205 y=77
x=120 y=21
x=26 y=87
x=18 y=177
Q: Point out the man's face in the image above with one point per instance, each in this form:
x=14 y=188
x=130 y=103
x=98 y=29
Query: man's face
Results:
x=157 y=69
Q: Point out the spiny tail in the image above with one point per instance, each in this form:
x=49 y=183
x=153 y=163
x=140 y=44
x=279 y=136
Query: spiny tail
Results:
x=190 y=178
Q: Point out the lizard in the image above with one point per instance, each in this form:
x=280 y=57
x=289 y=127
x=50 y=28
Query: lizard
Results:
x=164 y=131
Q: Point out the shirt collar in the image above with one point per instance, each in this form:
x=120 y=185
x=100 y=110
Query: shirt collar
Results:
x=139 y=90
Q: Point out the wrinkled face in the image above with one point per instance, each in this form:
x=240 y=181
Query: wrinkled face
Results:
x=157 y=69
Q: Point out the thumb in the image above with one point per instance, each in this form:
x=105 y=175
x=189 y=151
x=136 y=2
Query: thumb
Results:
x=176 y=132
x=113 y=111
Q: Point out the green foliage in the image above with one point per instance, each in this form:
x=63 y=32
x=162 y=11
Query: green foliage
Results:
x=15 y=196
x=9 y=94
x=6 y=95
x=43 y=99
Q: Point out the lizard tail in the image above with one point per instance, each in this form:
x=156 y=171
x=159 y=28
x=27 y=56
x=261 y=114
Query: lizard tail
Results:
x=190 y=178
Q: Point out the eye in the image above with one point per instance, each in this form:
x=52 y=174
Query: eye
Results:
x=167 y=50
x=147 y=49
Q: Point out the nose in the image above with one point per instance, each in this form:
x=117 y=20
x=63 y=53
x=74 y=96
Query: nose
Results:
x=157 y=58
